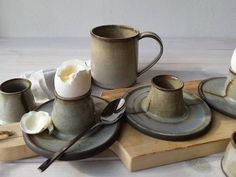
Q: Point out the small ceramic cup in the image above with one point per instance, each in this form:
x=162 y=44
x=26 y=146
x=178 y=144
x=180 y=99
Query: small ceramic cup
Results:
x=72 y=116
x=114 y=55
x=230 y=85
x=165 y=98
x=228 y=163
x=16 y=99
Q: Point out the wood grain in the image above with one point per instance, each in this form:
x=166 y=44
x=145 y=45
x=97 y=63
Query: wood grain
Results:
x=5 y=134
x=14 y=147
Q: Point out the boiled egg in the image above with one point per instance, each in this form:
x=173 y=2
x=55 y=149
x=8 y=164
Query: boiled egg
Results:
x=233 y=62
x=35 y=122
x=72 y=79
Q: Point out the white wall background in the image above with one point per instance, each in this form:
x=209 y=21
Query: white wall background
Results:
x=75 y=18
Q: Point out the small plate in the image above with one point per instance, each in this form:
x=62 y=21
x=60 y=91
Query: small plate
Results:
x=212 y=91
x=195 y=122
x=90 y=145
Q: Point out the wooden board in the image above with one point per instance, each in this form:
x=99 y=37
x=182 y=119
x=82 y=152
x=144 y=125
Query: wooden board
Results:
x=138 y=151
x=14 y=147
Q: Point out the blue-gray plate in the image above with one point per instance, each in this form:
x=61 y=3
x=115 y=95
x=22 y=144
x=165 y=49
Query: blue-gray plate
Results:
x=195 y=122
x=90 y=145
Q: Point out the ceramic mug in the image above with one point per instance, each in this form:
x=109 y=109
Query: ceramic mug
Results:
x=16 y=99
x=114 y=61
x=72 y=116
x=228 y=163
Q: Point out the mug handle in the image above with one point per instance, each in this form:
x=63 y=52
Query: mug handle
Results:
x=155 y=60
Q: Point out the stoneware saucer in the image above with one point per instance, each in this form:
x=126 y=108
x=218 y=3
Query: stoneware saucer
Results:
x=213 y=92
x=195 y=122
x=90 y=145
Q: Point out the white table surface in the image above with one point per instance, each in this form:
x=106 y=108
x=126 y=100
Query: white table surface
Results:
x=188 y=59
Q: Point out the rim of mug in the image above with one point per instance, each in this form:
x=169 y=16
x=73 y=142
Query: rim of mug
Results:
x=92 y=32
x=167 y=77
x=12 y=80
x=233 y=139
x=72 y=98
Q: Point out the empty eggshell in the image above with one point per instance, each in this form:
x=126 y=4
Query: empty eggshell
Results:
x=35 y=122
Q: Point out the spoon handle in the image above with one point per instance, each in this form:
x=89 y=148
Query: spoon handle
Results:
x=59 y=153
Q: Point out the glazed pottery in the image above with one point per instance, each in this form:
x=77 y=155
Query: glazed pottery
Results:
x=16 y=99
x=90 y=145
x=163 y=110
x=230 y=85
x=114 y=62
x=165 y=98
x=220 y=93
x=228 y=163
x=72 y=116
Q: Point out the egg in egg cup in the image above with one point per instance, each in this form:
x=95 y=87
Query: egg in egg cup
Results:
x=73 y=108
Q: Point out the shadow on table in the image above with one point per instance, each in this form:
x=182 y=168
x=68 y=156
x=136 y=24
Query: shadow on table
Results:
x=8 y=168
x=98 y=167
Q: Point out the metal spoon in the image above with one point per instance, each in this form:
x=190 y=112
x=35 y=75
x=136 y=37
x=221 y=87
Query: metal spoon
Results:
x=110 y=115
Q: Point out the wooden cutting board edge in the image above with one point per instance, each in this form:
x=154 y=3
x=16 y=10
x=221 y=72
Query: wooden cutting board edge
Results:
x=158 y=159
x=14 y=148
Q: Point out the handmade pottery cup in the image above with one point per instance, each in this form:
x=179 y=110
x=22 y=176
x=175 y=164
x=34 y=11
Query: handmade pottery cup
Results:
x=165 y=98
x=228 y=163
x=114 y=61
x=72 y=116
x=230 y=85
x=16 y=99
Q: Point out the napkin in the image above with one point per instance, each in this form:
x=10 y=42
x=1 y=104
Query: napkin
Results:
x=42 y=84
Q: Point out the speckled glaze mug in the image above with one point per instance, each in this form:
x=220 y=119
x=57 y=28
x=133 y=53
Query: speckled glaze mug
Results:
x=114 y=62
x=16 y=99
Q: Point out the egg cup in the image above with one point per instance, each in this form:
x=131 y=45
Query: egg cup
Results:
x=16 y=99
x=220 y=93
x=163 y=110
x=72 y=116
x=228 y=162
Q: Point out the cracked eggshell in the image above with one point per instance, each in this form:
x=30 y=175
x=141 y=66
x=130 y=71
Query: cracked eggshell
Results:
x=35 y=122
x=72 y=79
